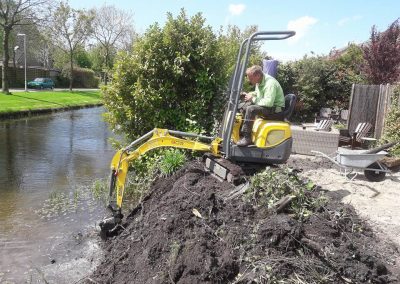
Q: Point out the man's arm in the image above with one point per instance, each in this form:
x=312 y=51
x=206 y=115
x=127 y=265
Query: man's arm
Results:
x=267 y=95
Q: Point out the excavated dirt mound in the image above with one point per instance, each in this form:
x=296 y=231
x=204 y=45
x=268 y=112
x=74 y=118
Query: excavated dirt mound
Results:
x=187 y=230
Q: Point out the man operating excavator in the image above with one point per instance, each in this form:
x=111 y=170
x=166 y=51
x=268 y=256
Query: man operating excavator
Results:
x=272 y=136
x=267 y=100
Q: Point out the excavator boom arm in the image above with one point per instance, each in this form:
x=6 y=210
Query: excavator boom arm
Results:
x=156 y=138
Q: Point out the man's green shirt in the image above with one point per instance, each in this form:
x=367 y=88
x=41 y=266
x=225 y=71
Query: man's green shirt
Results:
x=268 y=93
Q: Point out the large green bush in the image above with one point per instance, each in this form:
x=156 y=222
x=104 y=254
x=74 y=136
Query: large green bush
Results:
x=312 y=76
x=173 y=78
x=83 y=78
x=319 y=82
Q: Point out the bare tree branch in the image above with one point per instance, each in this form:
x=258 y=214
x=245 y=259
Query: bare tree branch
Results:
x=17 y=13
x=111 y=26
x=69 y=29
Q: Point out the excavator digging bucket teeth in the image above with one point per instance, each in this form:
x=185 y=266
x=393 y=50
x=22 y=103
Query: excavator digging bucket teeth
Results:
x=110 y=226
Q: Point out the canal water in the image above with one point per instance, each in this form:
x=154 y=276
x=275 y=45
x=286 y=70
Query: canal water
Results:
x=49 y=166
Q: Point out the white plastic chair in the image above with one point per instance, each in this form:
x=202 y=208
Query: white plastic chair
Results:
x=324 y=125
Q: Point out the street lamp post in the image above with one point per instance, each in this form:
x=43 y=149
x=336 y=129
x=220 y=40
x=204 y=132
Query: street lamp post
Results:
x=24 y=35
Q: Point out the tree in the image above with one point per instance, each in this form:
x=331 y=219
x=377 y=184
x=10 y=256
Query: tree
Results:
x=36 y=43
x=82 y=58
x=111 y=26
x=69 y=29
x=382 y=55
x=16 y=13
x=44 y=53
x=173 y=78
x=351 y=58
x=229 y=43
x=96 y=56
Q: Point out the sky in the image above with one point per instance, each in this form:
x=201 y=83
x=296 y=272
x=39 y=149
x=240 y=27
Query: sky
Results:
x=320 y=25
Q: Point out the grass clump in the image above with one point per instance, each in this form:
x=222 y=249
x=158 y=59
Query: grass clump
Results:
x=171 y=161
x=100 y=190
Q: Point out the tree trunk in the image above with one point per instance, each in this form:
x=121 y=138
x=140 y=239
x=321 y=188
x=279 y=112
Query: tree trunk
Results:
x=106 y=73
x=71 y=74
x=6 y=58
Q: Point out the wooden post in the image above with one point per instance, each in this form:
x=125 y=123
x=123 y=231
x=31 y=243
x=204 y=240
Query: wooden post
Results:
x=350 y=106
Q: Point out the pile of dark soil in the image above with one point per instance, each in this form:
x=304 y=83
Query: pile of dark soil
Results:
x=188 y=231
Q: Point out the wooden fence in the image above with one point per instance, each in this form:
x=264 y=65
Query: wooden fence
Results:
x=370 y=103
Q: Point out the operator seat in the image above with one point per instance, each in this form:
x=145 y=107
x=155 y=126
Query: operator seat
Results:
x=290 y=103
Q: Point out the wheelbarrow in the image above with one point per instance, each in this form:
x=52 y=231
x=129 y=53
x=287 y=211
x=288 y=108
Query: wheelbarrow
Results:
x=349 y=160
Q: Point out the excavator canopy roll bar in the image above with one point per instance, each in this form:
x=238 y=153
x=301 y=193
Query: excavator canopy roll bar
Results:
x=237 y=82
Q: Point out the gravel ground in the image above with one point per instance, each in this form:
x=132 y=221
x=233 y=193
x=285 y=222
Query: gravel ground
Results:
x=378 y=202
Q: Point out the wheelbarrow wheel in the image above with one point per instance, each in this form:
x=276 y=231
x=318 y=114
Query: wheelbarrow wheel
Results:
x=372 y=175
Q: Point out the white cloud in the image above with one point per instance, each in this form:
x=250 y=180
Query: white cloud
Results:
x=344 y=21
x=236 y=9
x=293 y=55
x=301 y=26
x=285 y=56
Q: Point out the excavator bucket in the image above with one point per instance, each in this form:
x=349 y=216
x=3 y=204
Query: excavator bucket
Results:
x=119 y=170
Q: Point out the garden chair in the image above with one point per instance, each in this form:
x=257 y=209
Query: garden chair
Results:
x=357 y=137
x=324 y=125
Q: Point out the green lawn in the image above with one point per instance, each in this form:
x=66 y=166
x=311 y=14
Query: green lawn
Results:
x=23 y=101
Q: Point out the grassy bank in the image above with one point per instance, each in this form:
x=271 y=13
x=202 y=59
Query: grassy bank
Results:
x=31 y=101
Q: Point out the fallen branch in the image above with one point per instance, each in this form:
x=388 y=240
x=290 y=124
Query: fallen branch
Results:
x=282 y=203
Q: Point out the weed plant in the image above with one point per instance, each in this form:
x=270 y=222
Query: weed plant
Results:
x=171 y=161
x=272 y=184
x=163 y=162
x=100 y=190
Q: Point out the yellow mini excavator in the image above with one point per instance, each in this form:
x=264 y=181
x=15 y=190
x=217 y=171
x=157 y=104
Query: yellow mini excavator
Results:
x=272 y=140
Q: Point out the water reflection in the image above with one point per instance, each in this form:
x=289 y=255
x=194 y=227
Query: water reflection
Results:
x=40 y=156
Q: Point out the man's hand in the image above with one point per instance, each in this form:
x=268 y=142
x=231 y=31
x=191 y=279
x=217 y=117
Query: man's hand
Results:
x=247 y=97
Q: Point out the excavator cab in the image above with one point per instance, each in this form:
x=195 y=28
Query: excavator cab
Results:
x=272 y=139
